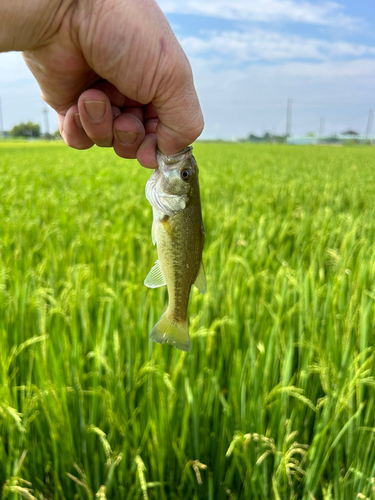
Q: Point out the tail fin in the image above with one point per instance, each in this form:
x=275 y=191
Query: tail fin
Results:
x=168 y=330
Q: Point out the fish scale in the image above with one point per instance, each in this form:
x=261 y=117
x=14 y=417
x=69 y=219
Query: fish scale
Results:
x=173 y=191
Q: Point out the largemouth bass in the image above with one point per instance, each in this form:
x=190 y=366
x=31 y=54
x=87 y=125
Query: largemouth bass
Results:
x=177 y=230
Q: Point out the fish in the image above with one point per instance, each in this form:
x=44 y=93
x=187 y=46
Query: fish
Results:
x=178 y=232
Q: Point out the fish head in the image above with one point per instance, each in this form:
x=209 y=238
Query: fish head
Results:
x=170 y=186
x=179 y=172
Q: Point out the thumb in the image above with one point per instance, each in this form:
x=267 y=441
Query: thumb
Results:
x=179 y=112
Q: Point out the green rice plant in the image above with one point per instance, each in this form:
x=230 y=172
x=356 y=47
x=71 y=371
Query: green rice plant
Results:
x=275 y=399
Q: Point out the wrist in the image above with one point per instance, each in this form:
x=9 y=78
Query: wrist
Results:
x=26 y=24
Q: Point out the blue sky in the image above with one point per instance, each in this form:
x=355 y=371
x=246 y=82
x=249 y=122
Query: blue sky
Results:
x=248 y=58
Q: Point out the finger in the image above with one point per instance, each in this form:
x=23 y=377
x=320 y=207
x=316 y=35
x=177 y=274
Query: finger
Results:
x=151 y=119
x=96 y=116
x=151 y=125
x=114 y=95
x=128 y=135
x=115 y=112
x=72 y=131
x=180 y=115
x=146 y=154
x=150 y=112
x=135 y=111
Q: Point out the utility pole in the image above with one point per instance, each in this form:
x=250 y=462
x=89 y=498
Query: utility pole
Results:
x=369 y=123
x=289 y=118
x=46 y=122
x=1 y=121
x=321 y=127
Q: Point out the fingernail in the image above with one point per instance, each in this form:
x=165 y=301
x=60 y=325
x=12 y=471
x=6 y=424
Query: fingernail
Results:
x=126 y=138
x=95 y=109
x=77 y=119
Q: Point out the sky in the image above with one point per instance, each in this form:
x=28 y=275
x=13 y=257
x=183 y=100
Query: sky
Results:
x=248 y=58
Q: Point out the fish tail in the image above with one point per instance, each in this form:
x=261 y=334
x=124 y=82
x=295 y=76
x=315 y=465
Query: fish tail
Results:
x=169 y=330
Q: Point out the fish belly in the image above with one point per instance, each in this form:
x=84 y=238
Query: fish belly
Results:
x=180 y=244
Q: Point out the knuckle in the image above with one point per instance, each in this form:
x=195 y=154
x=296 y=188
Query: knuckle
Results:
x=130 y=154
x=80 y=145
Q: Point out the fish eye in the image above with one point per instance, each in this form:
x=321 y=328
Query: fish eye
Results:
x=185 y=174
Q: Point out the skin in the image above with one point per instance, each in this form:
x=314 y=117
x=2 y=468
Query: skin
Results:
x=180 y=245
x=113 y=71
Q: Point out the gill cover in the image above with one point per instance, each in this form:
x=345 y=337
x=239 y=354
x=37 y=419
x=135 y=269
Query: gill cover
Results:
x=166 y=191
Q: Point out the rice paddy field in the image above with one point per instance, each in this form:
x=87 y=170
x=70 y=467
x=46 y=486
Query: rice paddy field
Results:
x=276 y=397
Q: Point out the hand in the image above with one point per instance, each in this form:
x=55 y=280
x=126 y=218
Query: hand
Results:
x=116 y=75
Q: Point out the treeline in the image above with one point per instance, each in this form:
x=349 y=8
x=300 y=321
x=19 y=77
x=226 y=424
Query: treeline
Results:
x=31 y=130
x=267 y=137
x=28 y=129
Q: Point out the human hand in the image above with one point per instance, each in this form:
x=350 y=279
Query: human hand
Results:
x=116 y=75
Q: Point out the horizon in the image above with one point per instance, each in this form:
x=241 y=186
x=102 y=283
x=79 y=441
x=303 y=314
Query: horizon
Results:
x=248 y=61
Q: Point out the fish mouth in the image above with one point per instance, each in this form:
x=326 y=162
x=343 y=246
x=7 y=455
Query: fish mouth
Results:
x=175 y=158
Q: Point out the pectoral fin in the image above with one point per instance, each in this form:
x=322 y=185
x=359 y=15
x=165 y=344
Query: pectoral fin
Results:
x=200 y=282
x=155 y=277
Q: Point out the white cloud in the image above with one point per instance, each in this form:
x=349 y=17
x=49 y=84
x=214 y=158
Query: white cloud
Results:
x=323 y=13
x=251 y=96
x=264 y=45
x=254 y=99
x=360 y=71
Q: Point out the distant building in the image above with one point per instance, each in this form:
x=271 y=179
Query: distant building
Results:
x=350 y=133
x=302 y=140
x=347 y=137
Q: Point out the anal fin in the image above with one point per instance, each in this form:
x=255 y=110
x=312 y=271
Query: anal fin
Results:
x=201 y=282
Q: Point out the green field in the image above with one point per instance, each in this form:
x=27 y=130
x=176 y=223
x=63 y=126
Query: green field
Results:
x=276 y=397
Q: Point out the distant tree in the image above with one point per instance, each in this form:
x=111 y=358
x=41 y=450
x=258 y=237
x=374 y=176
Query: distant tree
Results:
x=254 y=138
x=56 y=134
x=28 y=129
x=310 y=134
x=266 y=137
